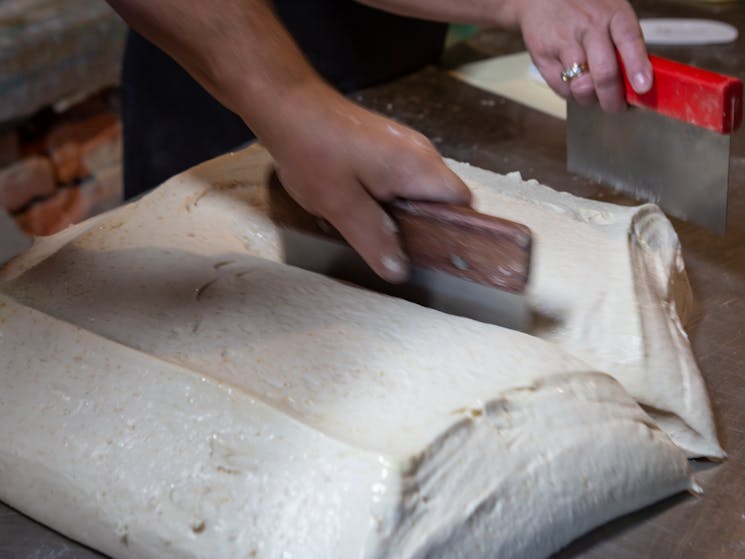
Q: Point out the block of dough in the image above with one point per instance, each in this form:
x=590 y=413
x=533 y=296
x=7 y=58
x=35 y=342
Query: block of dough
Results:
x=607 y=284
x=377 y=451
x=167 y=391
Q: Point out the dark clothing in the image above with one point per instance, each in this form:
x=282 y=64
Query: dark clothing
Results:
x=171 y=123
x=354 y=46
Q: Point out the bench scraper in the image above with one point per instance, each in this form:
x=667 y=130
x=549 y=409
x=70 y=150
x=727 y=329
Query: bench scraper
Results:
x=672 y=145
x=463 y=262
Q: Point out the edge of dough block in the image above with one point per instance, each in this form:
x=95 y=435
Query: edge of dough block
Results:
x=141 y=458
x=386 y=476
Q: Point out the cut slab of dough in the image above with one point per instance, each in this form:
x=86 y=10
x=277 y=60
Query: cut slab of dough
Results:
x=143 y=458
x=607 y=283
x=188 y=397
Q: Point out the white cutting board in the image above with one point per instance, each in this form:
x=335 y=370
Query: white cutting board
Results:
x=513 y=76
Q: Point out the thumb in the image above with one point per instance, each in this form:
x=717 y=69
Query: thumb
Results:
x=436 y=182
x=416 y=171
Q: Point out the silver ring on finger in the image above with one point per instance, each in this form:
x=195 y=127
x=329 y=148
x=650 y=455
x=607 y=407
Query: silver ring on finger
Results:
x=574 y=71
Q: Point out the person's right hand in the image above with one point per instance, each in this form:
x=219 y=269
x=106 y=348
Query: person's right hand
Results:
x=339 y=160
x=560 y=33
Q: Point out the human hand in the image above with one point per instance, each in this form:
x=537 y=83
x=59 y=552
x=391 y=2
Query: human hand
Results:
x=335 y=158
x=560 y=33
x=338 y=161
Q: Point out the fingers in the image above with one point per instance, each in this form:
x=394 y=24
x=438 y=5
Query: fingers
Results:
x=348 y=166
x=410 y=168
x=344 y=202
x=434 y=181
x=564 y=33
x=581 y=88
x=370 y=231
x=604 y=71
x=551 y=69
x=427 y=179
x=627 y=36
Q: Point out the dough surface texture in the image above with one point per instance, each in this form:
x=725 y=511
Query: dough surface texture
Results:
x=610 y=286
x=169 y=388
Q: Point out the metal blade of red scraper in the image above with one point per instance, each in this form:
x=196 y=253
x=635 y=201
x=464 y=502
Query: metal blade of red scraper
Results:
x=671 y=147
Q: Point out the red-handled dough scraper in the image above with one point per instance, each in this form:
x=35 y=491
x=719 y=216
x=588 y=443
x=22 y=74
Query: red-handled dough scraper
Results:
x=463 y=262
x=671 y=147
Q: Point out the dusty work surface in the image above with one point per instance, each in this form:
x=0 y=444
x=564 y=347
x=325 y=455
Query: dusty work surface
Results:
x=497 y=134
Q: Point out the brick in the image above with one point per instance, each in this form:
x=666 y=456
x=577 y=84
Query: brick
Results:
x=104 y=190
x=91 y=106
x=75 y=210
x=29 y=178
x=50 y=216
x=65 y=157
x=103 y=151
x=63 y=144
x=88 y=127
x=10 y=149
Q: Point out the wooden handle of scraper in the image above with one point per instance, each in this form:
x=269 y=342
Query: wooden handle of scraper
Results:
x=699 y=97
x=460 y=241
x=454 y=239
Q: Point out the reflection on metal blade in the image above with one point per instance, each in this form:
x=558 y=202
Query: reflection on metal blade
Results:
x=681 y=167
x=429 y=288
x=12 y=240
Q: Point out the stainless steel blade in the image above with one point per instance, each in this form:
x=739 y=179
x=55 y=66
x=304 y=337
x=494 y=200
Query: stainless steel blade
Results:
x=12 y=241
x=429 y=288
x=681 y=167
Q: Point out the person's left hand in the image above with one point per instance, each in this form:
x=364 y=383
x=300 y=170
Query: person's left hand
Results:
x=560 y=33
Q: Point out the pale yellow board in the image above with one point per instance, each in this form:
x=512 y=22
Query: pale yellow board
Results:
x=510 y=76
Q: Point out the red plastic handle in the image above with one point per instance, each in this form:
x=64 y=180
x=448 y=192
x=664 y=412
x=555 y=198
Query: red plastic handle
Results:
x=693 y=95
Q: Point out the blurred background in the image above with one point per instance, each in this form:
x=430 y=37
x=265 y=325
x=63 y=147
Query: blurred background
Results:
x=60 y=134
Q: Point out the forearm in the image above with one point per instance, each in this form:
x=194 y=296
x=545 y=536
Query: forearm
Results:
x=237 y=50
x=498 y=13
x=334 y=157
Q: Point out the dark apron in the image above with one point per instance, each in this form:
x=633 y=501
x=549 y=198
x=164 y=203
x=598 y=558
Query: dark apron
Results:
x=171 y=123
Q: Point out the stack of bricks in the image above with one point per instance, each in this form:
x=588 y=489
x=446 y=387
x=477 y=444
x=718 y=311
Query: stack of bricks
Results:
x=59 y=169
x=60 y=136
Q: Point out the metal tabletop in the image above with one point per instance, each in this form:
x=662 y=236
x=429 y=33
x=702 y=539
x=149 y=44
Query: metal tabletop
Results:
x=494 y=133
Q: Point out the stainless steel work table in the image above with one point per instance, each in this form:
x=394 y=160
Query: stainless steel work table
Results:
x=497 y=134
